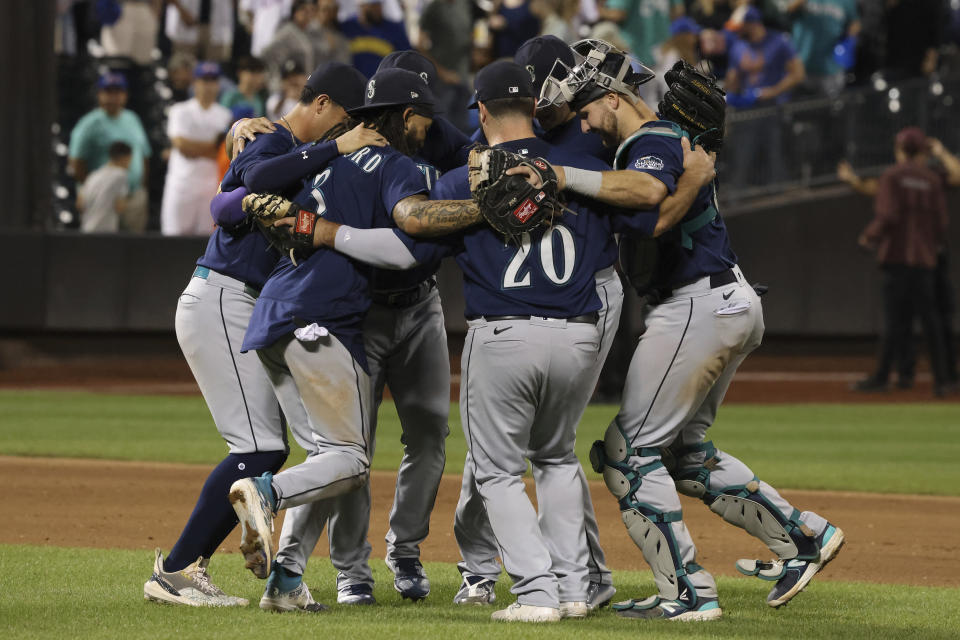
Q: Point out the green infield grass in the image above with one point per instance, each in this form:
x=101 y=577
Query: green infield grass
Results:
x=50 y=592
x=909 y=448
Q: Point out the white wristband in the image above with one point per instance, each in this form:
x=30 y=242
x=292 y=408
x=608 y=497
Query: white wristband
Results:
x=583 y=181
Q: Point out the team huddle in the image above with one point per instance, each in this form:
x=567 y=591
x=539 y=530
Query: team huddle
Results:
x=318 y=288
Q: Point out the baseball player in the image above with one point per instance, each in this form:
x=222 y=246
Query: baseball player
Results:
x=212 y=316
x=307 y=328
x=705 y=321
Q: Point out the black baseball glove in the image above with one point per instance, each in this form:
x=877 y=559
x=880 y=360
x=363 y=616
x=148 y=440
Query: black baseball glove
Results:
x=696 y=103
x=510 y=204
x=264 y=209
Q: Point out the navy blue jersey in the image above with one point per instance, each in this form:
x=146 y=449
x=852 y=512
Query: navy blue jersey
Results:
x=698 y=245
x=553 y=272
x=328 y=288
x=446 y=147
x=243 y=253
x=570 y=137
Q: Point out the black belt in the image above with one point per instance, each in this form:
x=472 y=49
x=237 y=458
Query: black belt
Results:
x=587 y=318
x=716 y=280
x=404 y=297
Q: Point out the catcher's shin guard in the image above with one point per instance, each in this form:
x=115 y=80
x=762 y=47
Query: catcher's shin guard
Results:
x=746 y=506
x=648 y=527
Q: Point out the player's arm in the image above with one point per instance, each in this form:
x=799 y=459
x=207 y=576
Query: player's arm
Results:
x=949 y=161
x=421 y=217
x=78 y=167
x=195 y=148
x=245 y=130
x=863 y=186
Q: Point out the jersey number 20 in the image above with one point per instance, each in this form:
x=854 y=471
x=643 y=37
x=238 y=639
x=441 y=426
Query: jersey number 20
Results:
x=513 y=278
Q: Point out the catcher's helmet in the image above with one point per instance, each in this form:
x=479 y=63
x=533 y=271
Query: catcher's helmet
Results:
x=599 y=68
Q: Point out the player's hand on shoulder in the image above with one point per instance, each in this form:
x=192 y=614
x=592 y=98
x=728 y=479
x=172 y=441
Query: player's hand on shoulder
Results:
x=534 y=178
x=698 y=164
x=247 y=129
x=358 y=137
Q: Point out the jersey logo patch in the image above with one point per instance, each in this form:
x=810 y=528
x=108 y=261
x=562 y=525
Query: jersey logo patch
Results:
x=649 y=162
x=526 y=209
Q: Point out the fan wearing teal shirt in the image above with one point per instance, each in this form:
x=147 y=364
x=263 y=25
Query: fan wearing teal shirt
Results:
x=820 y=27
x=644 y=24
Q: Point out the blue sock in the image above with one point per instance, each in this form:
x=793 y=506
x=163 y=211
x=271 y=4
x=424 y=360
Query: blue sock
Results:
x=213 y=517
x=283 y=579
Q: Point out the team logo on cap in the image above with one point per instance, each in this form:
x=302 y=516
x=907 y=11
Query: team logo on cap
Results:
x=414 y=95
x=532 y=72
x=513 y=89
x=426 y=78
x=371 y=88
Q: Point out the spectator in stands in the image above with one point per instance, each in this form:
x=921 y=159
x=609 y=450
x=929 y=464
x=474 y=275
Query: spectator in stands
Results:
x=262 y=19
x=195 y=128
x=180 y=75
x=914 y=33
x=644 y=24
x=202 y=28
x=293 y=78
x=512 y=23
x=908 y=234
x=93 y=134
x=372 y=36
x=102 y=198
x=682 y=45
x=134 y=34
x=305 y=41
x=251 y=80
x=557 y=18
x=446 y=38
x=819 y=26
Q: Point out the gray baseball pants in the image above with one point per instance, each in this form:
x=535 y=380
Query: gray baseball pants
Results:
x=471 y=526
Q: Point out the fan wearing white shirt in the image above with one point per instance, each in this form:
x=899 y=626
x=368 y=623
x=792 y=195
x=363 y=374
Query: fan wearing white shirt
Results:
x=195 y=128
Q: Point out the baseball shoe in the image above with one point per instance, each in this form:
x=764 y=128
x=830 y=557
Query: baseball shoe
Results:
x=526 y=613
x=599 y=595
x=475 y=590
x=279 y=596
x=252 y=499
x=409 y=579
x=798 y=573
x=574 y=610
x=190 y=586
x=358 y=594
x=656 y=607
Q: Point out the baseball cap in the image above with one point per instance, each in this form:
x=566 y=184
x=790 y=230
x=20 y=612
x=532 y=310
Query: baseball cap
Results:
x=684 y=24
x=112 y=80
x=206 y=69
x=752 y=14
x=912 y=140
x=343 y=83
x=539 y=55
x=501 y=79
x=411 y=61
x=394 y=88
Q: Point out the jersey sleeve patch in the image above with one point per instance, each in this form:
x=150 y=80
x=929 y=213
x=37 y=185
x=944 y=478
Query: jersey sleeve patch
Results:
x=649 y=162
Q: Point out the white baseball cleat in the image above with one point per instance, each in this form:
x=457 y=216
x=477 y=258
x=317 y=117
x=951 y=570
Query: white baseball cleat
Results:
x=574 y=610
x=255 y=511
x=476 y=590
x=190 y=586
x=298 y=599
x=599 y=595
x=526 y=613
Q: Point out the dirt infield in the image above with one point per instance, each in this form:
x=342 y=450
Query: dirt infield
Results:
x=132 y=505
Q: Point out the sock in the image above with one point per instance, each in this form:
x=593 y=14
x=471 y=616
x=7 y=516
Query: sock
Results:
x=284 y=579
x=213 y=517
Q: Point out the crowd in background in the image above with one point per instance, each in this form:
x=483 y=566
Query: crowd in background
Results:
x=226 y=59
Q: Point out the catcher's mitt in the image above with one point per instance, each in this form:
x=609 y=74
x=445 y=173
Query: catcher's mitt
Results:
x=510 y=204
x=266 y=208
x=696 y=103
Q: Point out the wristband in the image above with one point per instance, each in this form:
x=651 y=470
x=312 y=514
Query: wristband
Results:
x=583 y=181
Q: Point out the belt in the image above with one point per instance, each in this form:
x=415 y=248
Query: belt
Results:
x=404 y=297
x=716 y=280
x=587 y=318
x=204 y=273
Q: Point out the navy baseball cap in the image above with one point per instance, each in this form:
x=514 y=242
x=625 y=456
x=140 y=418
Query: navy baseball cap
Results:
x=394 y=88
x=752 y=14
x=112 y=80
x=539 y=55
x=411 y=61
x=343 y=83
x=206 y=69
x=501 y=79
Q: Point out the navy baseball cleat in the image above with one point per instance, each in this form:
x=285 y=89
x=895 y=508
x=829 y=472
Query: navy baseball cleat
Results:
x=798 y=573
x=409 y=579
x=361 y=594
x=655 y=607
x=253 y=500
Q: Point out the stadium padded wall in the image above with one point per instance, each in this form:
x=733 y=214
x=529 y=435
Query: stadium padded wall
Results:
x=821 y=283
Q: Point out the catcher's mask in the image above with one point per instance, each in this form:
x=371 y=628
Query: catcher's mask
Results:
x=599 y=68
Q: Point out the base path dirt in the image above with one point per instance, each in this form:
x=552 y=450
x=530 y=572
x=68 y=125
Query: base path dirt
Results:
x=133 y=505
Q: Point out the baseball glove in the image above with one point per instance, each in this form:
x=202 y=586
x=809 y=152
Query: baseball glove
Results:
x=264 y=209
x=510 y=204
x=696 y=103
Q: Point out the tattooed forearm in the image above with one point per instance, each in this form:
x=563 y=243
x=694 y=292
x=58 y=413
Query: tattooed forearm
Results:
x=425 y=218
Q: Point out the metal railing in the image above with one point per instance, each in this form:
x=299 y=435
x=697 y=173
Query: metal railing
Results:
x=797 y=145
